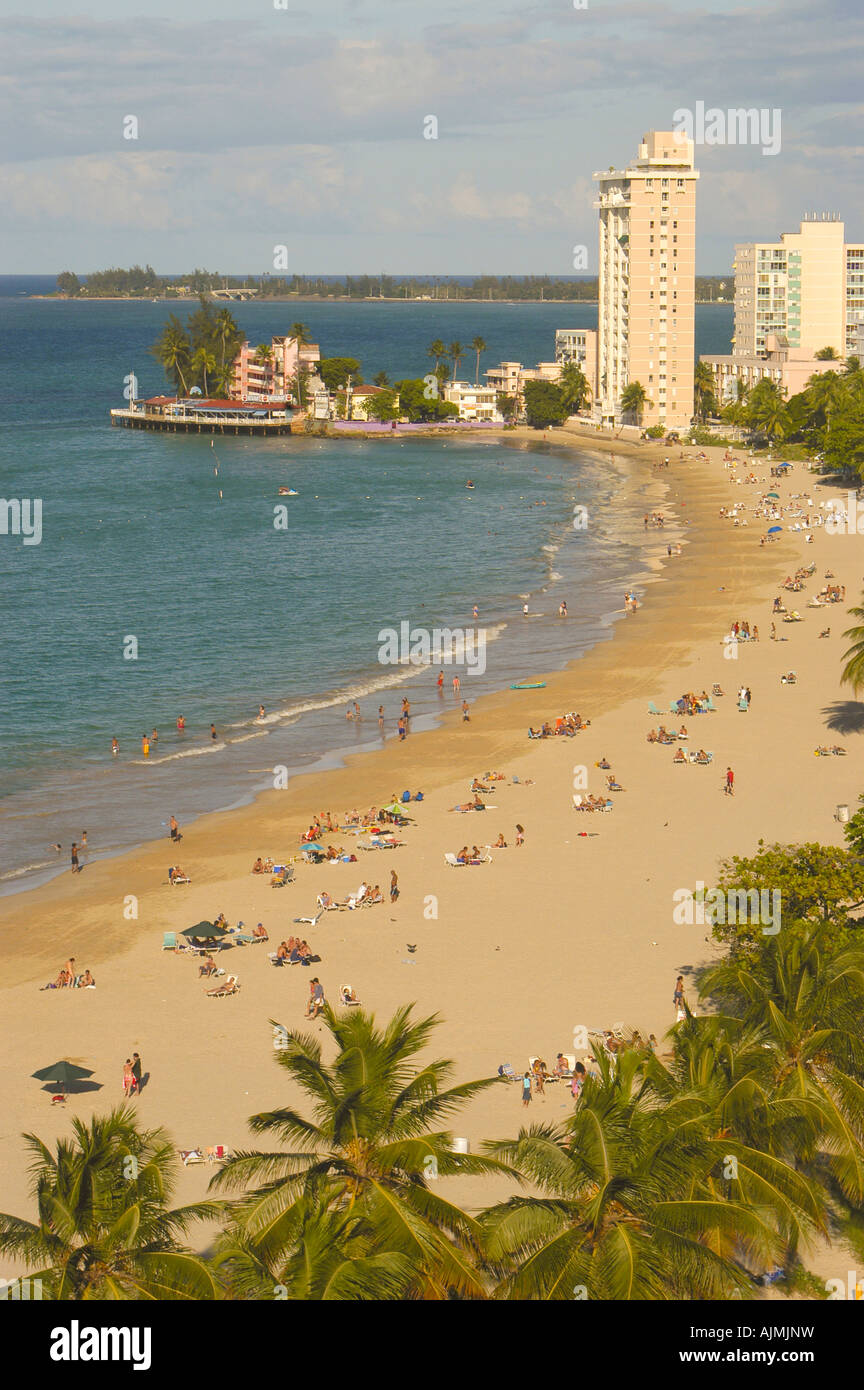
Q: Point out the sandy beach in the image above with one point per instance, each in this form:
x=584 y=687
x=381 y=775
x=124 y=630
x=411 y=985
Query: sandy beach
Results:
x=572 y=930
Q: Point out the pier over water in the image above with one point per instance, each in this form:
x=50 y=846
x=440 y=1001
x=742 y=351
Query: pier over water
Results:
x=192 y=415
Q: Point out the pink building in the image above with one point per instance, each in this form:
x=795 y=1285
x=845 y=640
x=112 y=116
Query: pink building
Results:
x=273 y=378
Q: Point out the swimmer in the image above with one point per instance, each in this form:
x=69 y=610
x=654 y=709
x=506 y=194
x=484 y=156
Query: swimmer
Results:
x=181 y=724
x=154 y=737
x=476 y=611
x=524 y=610
x=115 y=748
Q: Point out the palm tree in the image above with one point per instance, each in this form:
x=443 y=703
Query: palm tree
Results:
x=226 y=332
x=477 y=345
x=574 y=387
x=104 y=1229
x=202 y=363
x=370 y=1154
x=634 y=399
x=622 y=1211
x=456 y=352
x=805 y=996
x=853 y=672
x=824 y=392
x=300 y=332
x=173 y=351
x=827 y=354
x=703 y=389
x=437 y=350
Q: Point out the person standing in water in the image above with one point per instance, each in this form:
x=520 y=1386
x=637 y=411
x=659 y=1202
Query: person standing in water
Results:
x=174 y=829
x=455 y=685
x=381 y=718
x=181 y=724
x=213 y=733
x=260 y=711
x=154 y=737
x=76 y=867
x=115 y=748
x=145 y=745
x=440 y=682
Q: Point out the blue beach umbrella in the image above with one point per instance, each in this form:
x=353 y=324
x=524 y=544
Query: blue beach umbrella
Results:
x=772 y=529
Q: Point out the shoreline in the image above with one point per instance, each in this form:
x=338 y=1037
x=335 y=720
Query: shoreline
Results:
x=573 y=930
x=567 y=441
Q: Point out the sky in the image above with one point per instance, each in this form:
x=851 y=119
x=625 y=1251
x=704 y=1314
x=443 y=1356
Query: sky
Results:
x=303 y=127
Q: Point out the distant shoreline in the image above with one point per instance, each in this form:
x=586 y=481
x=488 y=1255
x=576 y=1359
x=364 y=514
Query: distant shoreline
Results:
x=312 y=299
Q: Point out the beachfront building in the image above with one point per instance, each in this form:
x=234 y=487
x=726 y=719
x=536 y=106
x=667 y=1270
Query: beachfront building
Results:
x=647 y=281
x=203 y=415
x=793 y=297
x=474 y=402
x=807 y=287
x=358 y=399
x=578 y=345
x=508 y=378
x=259 y=378
x=788 y=367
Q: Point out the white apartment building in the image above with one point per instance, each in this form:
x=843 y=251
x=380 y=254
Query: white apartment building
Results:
x=474 y=402
x=647 y=281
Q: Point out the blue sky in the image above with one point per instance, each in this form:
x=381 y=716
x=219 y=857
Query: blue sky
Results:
x=303 y=127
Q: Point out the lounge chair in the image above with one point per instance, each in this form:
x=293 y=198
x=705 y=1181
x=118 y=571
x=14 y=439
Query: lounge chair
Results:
x=652 y=709
x=742 y=705
x=174 y=879
x=506 y=1070
x=347 y=1003
x=453 y=861
x=169 y=941
x=710 y=706
x=231 y=986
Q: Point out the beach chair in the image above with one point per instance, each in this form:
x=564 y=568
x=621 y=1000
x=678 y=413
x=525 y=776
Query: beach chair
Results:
x=231 y=986
x=652 y=709
x=673 y=708
x=453 y=861
x=547 y=1075
x=710 y=706
x=347 y=1003
x=188 y=1157
x=506 y=1070
x=742 y=705
x=169 y=941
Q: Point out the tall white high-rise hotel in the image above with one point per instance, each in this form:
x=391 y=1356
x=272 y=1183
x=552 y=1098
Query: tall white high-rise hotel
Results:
x=647 y=281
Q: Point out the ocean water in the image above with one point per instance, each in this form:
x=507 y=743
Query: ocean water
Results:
x=150 y=595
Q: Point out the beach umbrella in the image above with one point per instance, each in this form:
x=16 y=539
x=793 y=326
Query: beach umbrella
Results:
x=62 y=1073
x=397 y=809
x=205 y=931
x=772 y=529
x=772 y=494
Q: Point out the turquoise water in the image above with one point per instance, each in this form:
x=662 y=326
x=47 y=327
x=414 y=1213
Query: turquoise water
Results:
x=229 y=612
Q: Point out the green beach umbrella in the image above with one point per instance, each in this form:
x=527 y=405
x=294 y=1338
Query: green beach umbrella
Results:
x=396 y=808
x=62 y=1073
x=205 y=931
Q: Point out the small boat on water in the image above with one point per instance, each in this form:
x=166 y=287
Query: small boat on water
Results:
x=288 y=492
x=529 y=685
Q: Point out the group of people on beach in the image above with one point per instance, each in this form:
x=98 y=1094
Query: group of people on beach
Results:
x=68 y=977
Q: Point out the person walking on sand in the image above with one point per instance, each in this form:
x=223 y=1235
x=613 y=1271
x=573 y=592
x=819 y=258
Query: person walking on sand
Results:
x=526 y=1088
x=136 y=1074
x=520 y=836
x=678 y=1000
x=466 y=713
x=730 y=782
x=128 y=1078
x=174 y=829
x=394 y=886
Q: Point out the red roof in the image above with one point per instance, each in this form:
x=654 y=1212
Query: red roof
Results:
x=207 y=402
